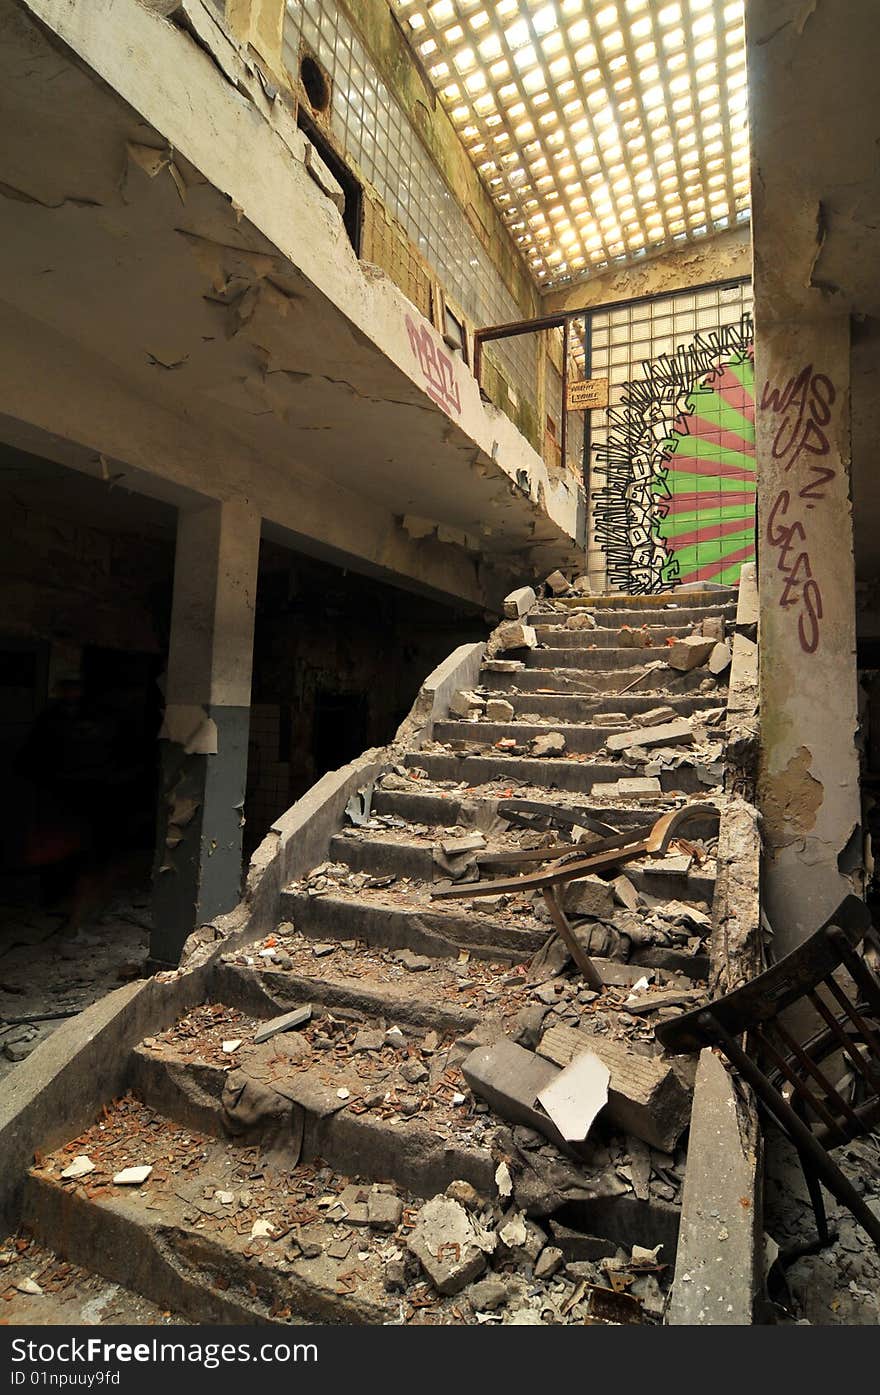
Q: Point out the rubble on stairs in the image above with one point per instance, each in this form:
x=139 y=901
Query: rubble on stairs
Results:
x=390 y=1154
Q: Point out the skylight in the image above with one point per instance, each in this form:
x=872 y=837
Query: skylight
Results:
x=603 y=129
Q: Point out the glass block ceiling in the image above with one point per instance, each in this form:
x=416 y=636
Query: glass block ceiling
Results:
x=603 y=131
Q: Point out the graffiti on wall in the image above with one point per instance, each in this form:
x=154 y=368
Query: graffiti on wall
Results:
x=800 y=412
x=437 y=367
x=678 y=504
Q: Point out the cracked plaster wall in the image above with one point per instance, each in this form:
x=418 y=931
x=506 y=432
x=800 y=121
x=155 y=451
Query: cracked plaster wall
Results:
x=249 y=151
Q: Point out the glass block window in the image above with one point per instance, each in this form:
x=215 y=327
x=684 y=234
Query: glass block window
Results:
x=601 y=128
x=378 y=136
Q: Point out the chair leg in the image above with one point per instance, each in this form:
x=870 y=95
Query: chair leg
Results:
x=801 y=1136
x=814 y=1187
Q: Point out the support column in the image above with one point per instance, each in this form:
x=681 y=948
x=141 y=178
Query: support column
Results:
x=204 y=740
x=809 y=776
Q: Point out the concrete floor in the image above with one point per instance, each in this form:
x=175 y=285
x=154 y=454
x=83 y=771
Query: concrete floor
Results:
x=840 y=1286
x=46 y=968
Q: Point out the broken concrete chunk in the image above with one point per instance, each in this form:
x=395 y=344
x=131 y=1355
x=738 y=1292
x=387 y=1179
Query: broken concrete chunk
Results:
x=468 y=843
x=645 y=1095
x=628 y=638
x=511 y=634
x=577 y=1095
x=384 y=1210
x=625 y=893
x=466 y=704
x=416 y=963
x=589 y=896
x=488 y=1294
x=285 y=1023
x=499 y=710
x=449 y=1244
x=509 y=1079
x=503 y=666
x=712 y=627
x=322 y=176
x=582 y=586
x=413 y=1071
x=719 y=659
x=677 y=733
x=551 y=744
x=465 y=1194
x=690 y=652
x=581 y=620
x=519 y=602
x=548 y=1262
x=557 y=583
x=655 y=717
x=527 y=1025
x=673 y=997
x=636 y=785
x=131 y=1176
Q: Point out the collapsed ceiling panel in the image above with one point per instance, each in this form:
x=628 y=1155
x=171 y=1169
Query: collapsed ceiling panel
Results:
x=603 y=129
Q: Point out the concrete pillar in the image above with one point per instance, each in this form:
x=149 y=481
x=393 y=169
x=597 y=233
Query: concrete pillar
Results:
x=809 y=774
x=204 y=740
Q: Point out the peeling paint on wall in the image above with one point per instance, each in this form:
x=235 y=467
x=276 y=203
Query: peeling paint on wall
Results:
x=792 y=799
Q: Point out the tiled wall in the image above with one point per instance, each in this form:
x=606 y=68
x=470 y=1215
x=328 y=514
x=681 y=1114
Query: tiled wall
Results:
x=664 y=412
x=379 y=138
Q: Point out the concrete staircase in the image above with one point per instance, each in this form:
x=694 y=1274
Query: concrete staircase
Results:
x=288 y=1175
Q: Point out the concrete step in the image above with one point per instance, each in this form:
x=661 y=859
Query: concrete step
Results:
x=421 y=1152
x=570 y=708
x=351 y=980
x=597 y=682
x=576 y=775
x=406 y=918
x=697 y=600
x=444 y=809
x=605 y=637
x=578 y=737
x=177 y=1246
x=591 y=660
x=614 y=616
x=415 y=860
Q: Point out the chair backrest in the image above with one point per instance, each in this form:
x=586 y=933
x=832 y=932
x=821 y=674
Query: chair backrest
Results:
x=832 y=1078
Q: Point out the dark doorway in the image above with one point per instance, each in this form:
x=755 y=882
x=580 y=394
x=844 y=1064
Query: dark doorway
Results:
x=339 y=732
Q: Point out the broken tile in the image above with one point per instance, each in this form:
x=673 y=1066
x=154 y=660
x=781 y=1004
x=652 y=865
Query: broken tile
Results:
x=132 y=1176
x=576 y=1095
x=80 y=1167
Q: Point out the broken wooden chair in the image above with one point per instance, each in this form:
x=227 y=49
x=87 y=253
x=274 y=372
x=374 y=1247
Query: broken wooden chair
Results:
x=568 y=864
x=823 y=1091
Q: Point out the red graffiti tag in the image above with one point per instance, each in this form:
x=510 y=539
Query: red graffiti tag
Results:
x=436 y=366
x=803 y=408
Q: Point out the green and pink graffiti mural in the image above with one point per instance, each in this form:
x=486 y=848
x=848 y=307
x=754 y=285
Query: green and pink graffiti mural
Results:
x=678 y=504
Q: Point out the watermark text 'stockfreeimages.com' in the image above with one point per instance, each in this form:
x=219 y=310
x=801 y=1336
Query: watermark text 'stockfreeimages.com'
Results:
x=30 y=1358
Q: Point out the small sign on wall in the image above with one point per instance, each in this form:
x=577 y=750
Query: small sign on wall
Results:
x=586 y=394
